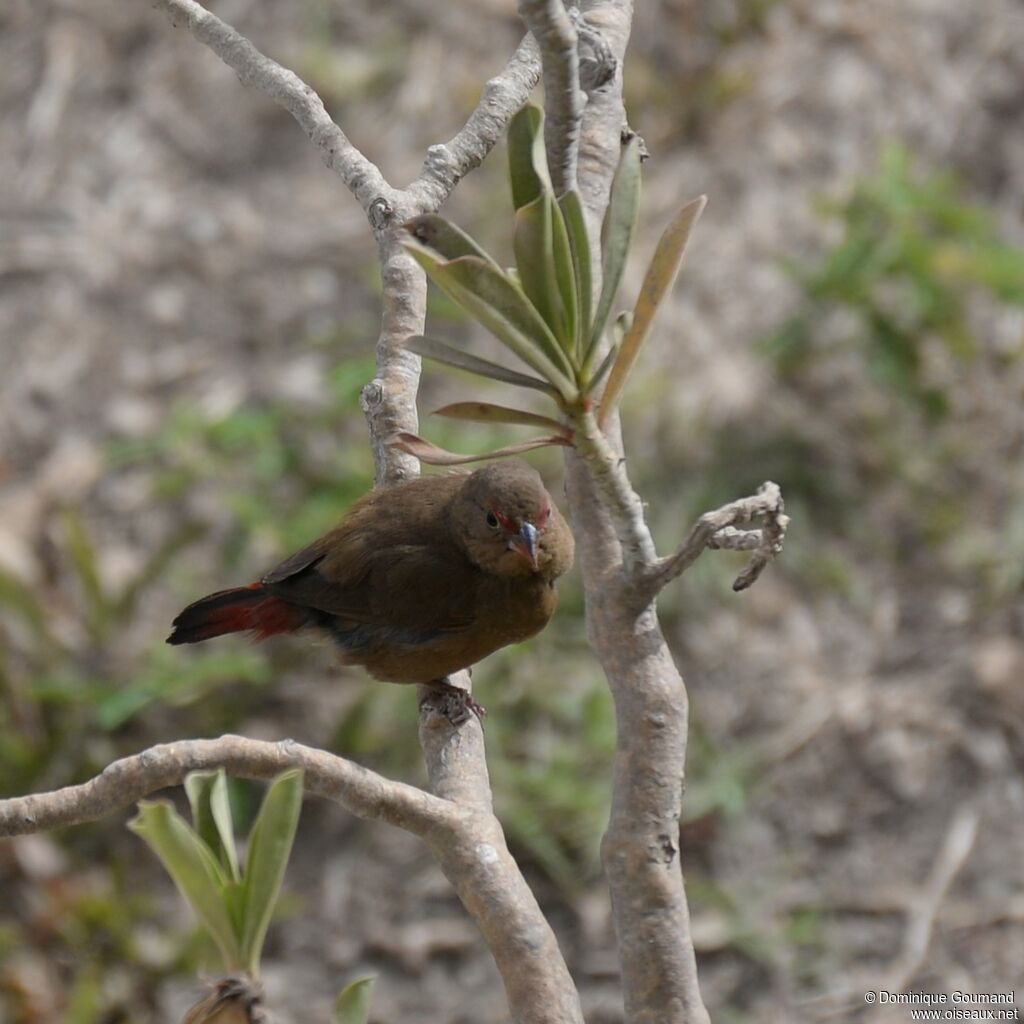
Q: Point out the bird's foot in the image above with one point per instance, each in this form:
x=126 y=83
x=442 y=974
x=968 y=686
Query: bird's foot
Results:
x=453 y=702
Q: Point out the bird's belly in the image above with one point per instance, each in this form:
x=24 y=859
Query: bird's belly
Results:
x=403 y=656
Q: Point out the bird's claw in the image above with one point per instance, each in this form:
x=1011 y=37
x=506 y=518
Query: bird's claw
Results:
x=453 y=702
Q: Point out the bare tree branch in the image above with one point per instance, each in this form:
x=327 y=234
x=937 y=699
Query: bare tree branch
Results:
x=640 y=850
x=488 y=880
x=362 y=177
x=598 y=69
x=389 y=400
x=551 y=26
x=717 y=530
x=448 y=163
x=465 y=837
x=608 y=474
x=361 y=791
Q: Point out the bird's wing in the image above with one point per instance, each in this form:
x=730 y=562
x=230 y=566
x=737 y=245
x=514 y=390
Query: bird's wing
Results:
x=414 y=586
x=307 y=558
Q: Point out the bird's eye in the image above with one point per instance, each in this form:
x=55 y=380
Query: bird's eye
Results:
x=492 y=520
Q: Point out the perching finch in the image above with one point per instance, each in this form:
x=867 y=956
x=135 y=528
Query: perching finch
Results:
x=417 y=581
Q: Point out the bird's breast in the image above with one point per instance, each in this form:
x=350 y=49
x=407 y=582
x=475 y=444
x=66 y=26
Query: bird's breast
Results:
x=506 y=611
x=517 y=608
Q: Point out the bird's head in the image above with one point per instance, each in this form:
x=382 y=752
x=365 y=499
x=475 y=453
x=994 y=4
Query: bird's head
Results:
x=503 y=515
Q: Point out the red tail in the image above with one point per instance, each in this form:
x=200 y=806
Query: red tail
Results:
x=233 y=611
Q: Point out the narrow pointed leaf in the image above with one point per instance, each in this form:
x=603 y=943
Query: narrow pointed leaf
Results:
x=211 y=817
x=534 y=248
x=485 y=412
x=194 y=869
x=659 y=279
x=616 y=236
x=565 y=280
x=439 y=351
x=619 y=329
x=353 y=1003
x=492 y=299
x=576 y=227
x=447 y=240
x=527 y=162
x=602 y=371
x=233 y=895
x=433 y=455
x=270 y=844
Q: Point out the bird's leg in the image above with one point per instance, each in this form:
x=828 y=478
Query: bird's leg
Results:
x=453 y=701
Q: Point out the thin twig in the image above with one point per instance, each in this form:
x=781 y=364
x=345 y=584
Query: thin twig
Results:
x=447 y=163
x=361 y=791
x=717 y=529
x=551 y=26
x=362 y=177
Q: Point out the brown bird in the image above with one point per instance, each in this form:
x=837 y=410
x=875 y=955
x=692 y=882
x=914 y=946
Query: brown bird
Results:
x=417 y=581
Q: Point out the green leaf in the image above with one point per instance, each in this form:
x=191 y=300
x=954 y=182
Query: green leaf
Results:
x=602 y=371
x=565 y=279
x=527 y=162
x=270 y=844
x=233 y=895
x=619 y=330
x=616 y=236
x=495 y=301
x=353 y=1003
x=211 y=816
x=433 y=455
x=535 y=259
x=194 y=869
x=485 y=412
x=575 y=219
x=440 y=352
x=444 y=238
x=660 y=276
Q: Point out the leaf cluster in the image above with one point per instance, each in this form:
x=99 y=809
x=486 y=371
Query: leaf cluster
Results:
x=547 y=310
x=233 y=902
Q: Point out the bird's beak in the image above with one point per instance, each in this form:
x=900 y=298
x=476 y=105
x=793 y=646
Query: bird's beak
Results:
x=525 y=543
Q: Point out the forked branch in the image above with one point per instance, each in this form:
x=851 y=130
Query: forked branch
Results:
x=446 y=163
x=360 y=175
x=718 y=530
x=464 y=836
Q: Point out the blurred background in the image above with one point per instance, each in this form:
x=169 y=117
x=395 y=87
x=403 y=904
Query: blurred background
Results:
x=188 y=304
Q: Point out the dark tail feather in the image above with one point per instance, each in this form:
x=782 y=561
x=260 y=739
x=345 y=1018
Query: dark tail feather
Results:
x=234 y=611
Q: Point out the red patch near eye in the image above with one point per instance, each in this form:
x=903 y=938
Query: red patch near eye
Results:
x=542 y=519
x=504 y=521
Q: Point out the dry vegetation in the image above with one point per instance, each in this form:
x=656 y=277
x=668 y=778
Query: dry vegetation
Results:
x=187 y=311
